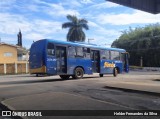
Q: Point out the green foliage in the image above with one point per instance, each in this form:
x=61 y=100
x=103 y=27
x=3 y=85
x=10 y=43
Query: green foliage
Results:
x=76 y=27
x=141 y=42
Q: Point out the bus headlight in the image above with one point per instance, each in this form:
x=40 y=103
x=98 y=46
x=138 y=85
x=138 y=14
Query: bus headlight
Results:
x=89 y=68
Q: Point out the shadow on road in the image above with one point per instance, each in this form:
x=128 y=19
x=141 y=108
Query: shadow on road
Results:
x=33 y=81
x=156 y=79
x=44 y=80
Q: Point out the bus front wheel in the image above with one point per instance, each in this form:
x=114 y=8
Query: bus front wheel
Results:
x=78 y=73
x=115 y=72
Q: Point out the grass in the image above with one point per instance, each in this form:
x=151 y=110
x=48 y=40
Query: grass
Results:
x=135 y=67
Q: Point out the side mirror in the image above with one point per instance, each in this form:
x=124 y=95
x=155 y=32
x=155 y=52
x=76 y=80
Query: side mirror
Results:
x=128 y=55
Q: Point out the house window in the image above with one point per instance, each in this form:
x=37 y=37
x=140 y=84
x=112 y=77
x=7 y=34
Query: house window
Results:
x=8 y=54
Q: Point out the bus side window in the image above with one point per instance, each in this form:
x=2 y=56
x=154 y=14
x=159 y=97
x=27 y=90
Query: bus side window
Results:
x=103 y=56
x=92 y=57
x=79 y=52
x=86 y=53
x=71 y=51
x=107 y=53
x=50 y=49
x=115 y=55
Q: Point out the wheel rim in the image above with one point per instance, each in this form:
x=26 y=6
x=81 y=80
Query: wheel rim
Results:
x=79 y=73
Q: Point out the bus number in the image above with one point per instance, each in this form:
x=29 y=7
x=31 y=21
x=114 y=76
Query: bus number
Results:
x=50 y=59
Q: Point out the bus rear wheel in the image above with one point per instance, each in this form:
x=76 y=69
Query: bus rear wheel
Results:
x=78 y=73
x=64 y=77
x=115 y=72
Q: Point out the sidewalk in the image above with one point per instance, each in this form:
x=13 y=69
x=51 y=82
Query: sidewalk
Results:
x=136 y=87
x=135 y=68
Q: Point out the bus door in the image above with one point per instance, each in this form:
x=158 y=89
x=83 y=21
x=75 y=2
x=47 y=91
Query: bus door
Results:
x=61 y=59
x=124 y=59
x=51 y=61
x=95 y=57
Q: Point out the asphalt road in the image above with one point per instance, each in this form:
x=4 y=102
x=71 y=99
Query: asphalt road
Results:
x=27 y=92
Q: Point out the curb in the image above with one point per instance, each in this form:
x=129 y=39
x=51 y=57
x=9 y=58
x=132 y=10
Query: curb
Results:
x=133 y=91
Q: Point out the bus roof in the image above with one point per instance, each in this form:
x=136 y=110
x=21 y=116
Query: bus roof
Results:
x=81 y=44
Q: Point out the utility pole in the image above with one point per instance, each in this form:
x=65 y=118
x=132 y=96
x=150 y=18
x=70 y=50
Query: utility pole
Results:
x=141 y=62
x=89 y=40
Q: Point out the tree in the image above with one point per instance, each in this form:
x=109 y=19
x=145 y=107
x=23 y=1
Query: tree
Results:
x=76 y=27
x=141 y=42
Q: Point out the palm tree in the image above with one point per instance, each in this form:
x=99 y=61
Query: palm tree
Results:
x=75 y=26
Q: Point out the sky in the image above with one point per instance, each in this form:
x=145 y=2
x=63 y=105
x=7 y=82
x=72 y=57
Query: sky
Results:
x=41 y=19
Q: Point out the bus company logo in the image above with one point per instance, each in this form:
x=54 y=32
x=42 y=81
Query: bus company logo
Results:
x=6 y=113
x=107 y=64
x=15 y=113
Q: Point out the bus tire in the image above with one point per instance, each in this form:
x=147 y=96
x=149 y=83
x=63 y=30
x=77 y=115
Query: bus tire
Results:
x=36 y=75
x=64 y=77
x=78 y=73
x=115 y=72
x=101 y=75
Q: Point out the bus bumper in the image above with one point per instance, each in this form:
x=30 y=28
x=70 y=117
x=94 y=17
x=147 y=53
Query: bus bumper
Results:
x=40 y=70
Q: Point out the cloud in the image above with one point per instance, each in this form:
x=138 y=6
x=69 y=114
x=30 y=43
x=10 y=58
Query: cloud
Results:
x=46 y=27
x=86 y=1
x=8 y=38
x=92 y=24
x=105 y=5
x=101 y=35
x=71 y=3
x=34 y=36
x=31 y=29
x=137 y=17
x=101 y=30
x=58 y=10
x=5 y=4
x=95 y=10
x=11 y=23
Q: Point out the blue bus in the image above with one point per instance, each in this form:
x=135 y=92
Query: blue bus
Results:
x=53 y=57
